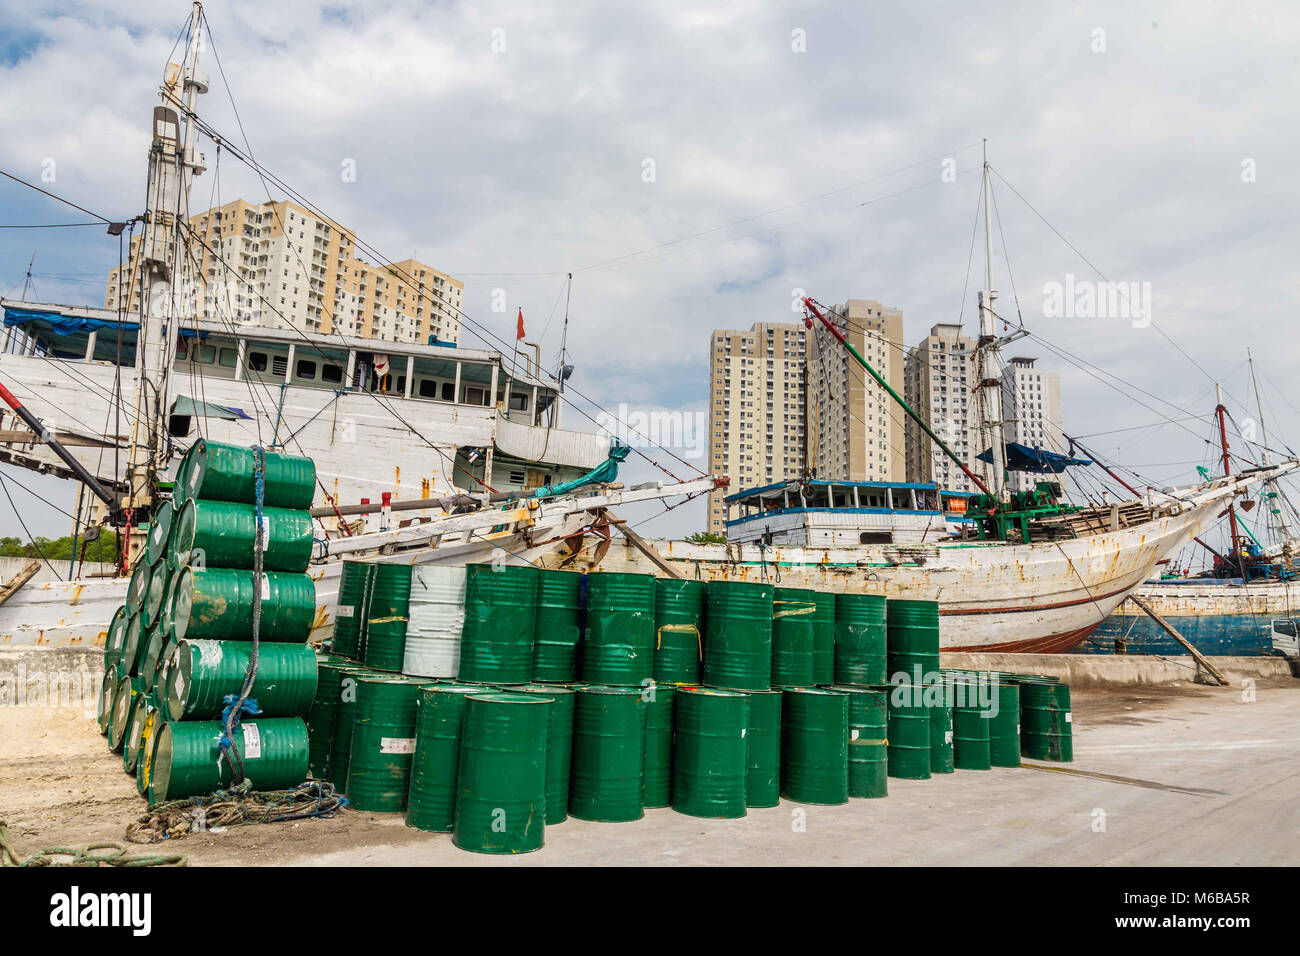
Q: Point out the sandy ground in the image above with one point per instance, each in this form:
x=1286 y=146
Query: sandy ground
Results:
x=1183 y=775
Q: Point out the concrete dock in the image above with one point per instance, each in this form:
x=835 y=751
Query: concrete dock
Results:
x=1172 y=775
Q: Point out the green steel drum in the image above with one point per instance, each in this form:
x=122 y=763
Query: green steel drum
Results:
x=116 y=637
x=153 y=599
x=160 y=527
x=658 y=782
x=618 y=646
x=175 y=561
x=139 y=710
x=344 y=715
x=439 y=722
x=794 y=637
x=227 y=473
x=496 y=644
x=608 y=754
x=1046 y=721
x=815 y=745
x=123 y=697
x=909 y=733
x=321 y=717
x=134 y=642
x=738 y=636
x=227 y=531
x=148 y=744
x=679 y=630
x=914 y=638
x=860 y=636
x=824 y=638
x=387 y=613
x=941 y=742
x=559 y=744
x=350 y=609
x=710 y=761
x=501 y=790
x=558 y=628
x=383 y=742
x=104 y=710
x=1004 y=727
x=970 y=727
x=868 y=741
x=153 y=654
x=273 y=751
x=206 y=671
x=763 y=749
x=138 y=586
x=216 y=604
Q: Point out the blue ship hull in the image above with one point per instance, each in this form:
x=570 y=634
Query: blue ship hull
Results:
x=1214 y=635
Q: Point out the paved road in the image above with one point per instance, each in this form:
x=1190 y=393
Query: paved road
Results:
x=1171 y=778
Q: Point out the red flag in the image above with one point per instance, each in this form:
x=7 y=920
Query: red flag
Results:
x=519 y=331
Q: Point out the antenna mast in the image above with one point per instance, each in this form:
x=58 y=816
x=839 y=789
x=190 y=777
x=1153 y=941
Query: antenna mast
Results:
x=989 y=356
x=165 y=281
x=1278 y=520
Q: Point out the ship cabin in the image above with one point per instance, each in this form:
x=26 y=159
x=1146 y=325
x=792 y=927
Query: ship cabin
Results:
x=215 y=350
x=825 y=514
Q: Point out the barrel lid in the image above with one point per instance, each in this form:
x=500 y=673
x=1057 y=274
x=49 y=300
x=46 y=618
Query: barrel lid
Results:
x=827 y=691
x=160 y=773
x=505 y=697
x=184 y=521
x=115 y=638
x=609 y=689
x=712 y=691
x=159 y=531
x=157 y=590
x=138 y=586
x=131 y=640
x=461 y=689
x=177 y=689
x=182 y=603
x=535 y=688
x=196 y=468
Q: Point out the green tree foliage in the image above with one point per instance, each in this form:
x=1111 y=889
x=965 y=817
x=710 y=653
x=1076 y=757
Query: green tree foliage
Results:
x=103 y=550
x=707 y=537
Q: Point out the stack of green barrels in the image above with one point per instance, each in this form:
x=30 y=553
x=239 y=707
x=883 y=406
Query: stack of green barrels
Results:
x=180 y=648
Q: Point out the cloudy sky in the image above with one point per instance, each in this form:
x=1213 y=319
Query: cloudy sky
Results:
x=693 y=164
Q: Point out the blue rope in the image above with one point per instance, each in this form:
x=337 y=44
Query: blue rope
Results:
x=236 y=709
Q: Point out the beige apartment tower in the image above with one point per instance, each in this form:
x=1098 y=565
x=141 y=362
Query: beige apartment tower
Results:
x=855 y=431
x=938 y=380
x=279 y=265
x=756 y=399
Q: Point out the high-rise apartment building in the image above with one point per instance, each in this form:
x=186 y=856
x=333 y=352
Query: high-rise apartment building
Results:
x=855 y=431
x=1031 y=407
x=939 y=380
x=279 y=265
x=756 y=402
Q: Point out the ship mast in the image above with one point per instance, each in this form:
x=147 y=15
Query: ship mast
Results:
x=989 y=356
x=1222 y=414
x=166 y=282
x=1278 y=521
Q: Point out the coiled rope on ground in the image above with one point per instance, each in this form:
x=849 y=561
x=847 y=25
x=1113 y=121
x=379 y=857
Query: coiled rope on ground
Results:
x=233 y=808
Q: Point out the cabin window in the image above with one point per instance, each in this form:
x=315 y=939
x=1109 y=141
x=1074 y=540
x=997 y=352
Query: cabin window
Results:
x=1284 y=627
x=428 y=388
x=401 y=384
x=306 y=368
x=205 y=354
x=518 y=402
x=331 y=373
x=476 y=396
x=448 y=391
x=228 y=358
x=876 y=537
x=257 y=361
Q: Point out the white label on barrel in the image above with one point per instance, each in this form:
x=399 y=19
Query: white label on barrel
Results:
x=1017 y=728
x=742 y=732
x=853 y=734
x=947 y=736
x=266 y=586
x=1069 y=718
x=345 y=610
x=180 y=685
x=252 y=742
x=397 y=745
x=266 y=532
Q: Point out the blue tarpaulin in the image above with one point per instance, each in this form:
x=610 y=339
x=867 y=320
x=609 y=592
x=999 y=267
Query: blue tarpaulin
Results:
x=605 y=472
x=1024 y=458
x=62 y=324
